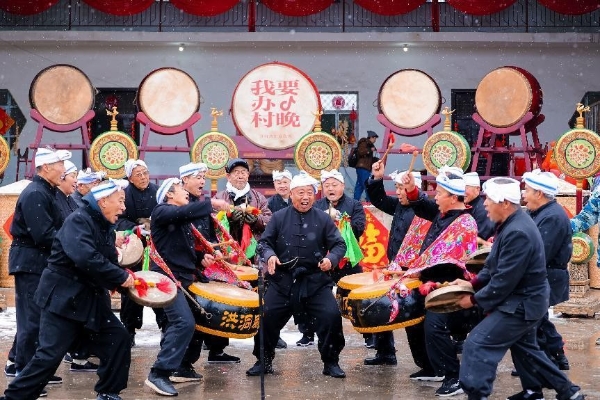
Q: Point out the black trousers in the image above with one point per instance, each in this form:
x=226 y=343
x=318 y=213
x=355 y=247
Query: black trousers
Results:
x=418 y=348
x=322 y=312
x=28 y=317
x=384 y=343
x=57 y=334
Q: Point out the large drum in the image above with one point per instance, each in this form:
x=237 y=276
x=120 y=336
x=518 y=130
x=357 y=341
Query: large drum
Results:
x=506 y=94
x=274 y=105
x=247 y=274
x=230 y=311
x=62 y=94
x=446 y=148
x=214 y=149
x=370 y=307
x=409 y=98
x=109 y=152
x=316 y=152
x=168 y=97
x=351 y=282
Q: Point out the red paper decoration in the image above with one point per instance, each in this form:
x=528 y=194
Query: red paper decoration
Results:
x=478 y=7
x=204 y=8
x=297 y=8
x=390 y=7
x=120 y=7
x=571 y=7
x=26 y=7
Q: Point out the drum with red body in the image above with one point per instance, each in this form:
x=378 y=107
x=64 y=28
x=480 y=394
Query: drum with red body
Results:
x=506 y=94
x=409 y=98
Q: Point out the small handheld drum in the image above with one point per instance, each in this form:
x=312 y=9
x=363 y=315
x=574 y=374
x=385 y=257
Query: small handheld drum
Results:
x=247 y=274
x=443 y=300
x=475 y=263
x=583 y=248
x=153 y=289
x=576 y=153
x=409 y=98
x=132 y=252
x=316 y=152
x=4 y=155
x=370 y=307
x=168 y=97
x=506 y=94
x=446 y=148
x=109 y=152
x=349 y=283
x=214 y=149
x=232 y=312
x=62 y=94
x=274 y=105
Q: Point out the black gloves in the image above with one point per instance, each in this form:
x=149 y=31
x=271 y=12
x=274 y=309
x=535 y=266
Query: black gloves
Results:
x=250 y=218
x=237 y=214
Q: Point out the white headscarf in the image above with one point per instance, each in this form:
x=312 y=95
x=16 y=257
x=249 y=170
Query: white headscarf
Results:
x=164 y=188
x=500 y=189
x=69 y=168
x=454 y=186
x=131 y=164
x=334 y=173
x=86 y=176
x=278 y=175
x=192 y=169
x=545 y=182
x=304 y=179
x=472 y=179
x=452 y=170
x=397 y=177
x=109 y=187
x=48 y=156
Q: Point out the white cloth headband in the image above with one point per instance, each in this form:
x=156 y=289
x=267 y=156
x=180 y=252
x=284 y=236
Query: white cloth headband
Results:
x=397 y=177
x=454 y=186
x=334 y=173
x=87 y=176
x=278 y=175
x=131 y=164
x=501 y=189
x=164 y=188
x=304 y=179
x=192 y=169
x=452 y=170
x=69 y=168
x=109 y=187
x=49 y=156
x=545 y=182
x=472 y=179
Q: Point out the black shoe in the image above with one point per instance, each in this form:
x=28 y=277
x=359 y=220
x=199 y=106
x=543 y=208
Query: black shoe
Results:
x=514 y=373
x=55 y=380
x=370 y=342
x=381 y=360
x=306 y=341
x=222 y=358
x=423 y=375
x=67 y=358
x=185 y=374
x=281 y=344
x=527 y=395
x=333 y=370
x=108 y=396
x=560 y=360
x=160 y=384
x=450 y=387
x=255 y=370
x=87 y=367
x=10 y=369
x=43 y=394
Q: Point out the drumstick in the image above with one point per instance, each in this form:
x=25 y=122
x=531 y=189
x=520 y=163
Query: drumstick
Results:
x=389 y=147
x=415 y=154
x=225 y=243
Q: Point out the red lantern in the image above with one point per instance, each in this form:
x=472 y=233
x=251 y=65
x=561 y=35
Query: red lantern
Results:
x=353 y=117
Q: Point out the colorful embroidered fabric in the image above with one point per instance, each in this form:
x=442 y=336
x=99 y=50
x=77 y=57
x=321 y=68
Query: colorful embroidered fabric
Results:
x=411 y=245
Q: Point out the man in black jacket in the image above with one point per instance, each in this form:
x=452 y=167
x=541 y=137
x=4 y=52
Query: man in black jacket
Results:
x=485 y=227
x=74 y=299
x=281 y=182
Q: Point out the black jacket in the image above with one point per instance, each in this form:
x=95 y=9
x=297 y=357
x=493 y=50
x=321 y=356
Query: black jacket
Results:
x=66 y=205
x=35 y=223
x=353 y=208
x=277 y=203
x=205 y=223
x=138 y=204
x=485 y=226
x=82 y=267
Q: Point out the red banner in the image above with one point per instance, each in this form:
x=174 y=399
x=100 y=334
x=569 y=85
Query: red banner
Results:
x=5 y=122
x=374 y=243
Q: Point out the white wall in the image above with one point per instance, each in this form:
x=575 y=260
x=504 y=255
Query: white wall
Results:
x=566 y=65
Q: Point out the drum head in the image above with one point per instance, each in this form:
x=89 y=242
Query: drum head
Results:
x=132 y=252
x=225 y=293
x=168 y=97
x=62 y=94
x=409 y=98
x=109 y=152
x=576 y=153
x=443 y=300
x=503 y=97
x=446 y=148
x=214 y=149
x=160 y=291
x=4 y=154
x=274 y=105
x=245 y=273
x=479 y=256
x=354 y=281
x=583 y=248
x=316 y=152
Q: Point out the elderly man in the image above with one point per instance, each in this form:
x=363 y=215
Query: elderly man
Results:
x=281 y=181
x=555 y=229
x=140 y=200
x=75 y=302
x=485 y=227
x=86 y=180
x=173 y=238
x=239 y=194
x=192 y=177
x=513 y=291
x=300 y=246
x=403 y=216
x=34 y=226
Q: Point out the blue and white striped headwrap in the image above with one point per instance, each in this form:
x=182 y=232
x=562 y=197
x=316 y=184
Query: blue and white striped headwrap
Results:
x=192 y=169
x=69 y=168
x=50 y=156
x=454 y=186
x=109 y=187
x=545 y=182
x=164 y=188
x=86 y=176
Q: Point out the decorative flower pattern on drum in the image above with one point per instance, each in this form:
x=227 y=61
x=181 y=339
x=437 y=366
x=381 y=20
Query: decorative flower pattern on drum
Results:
x=444 y=153
x=113 y=155
x=215 y=155
x=318 y=155
x=580 y=153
